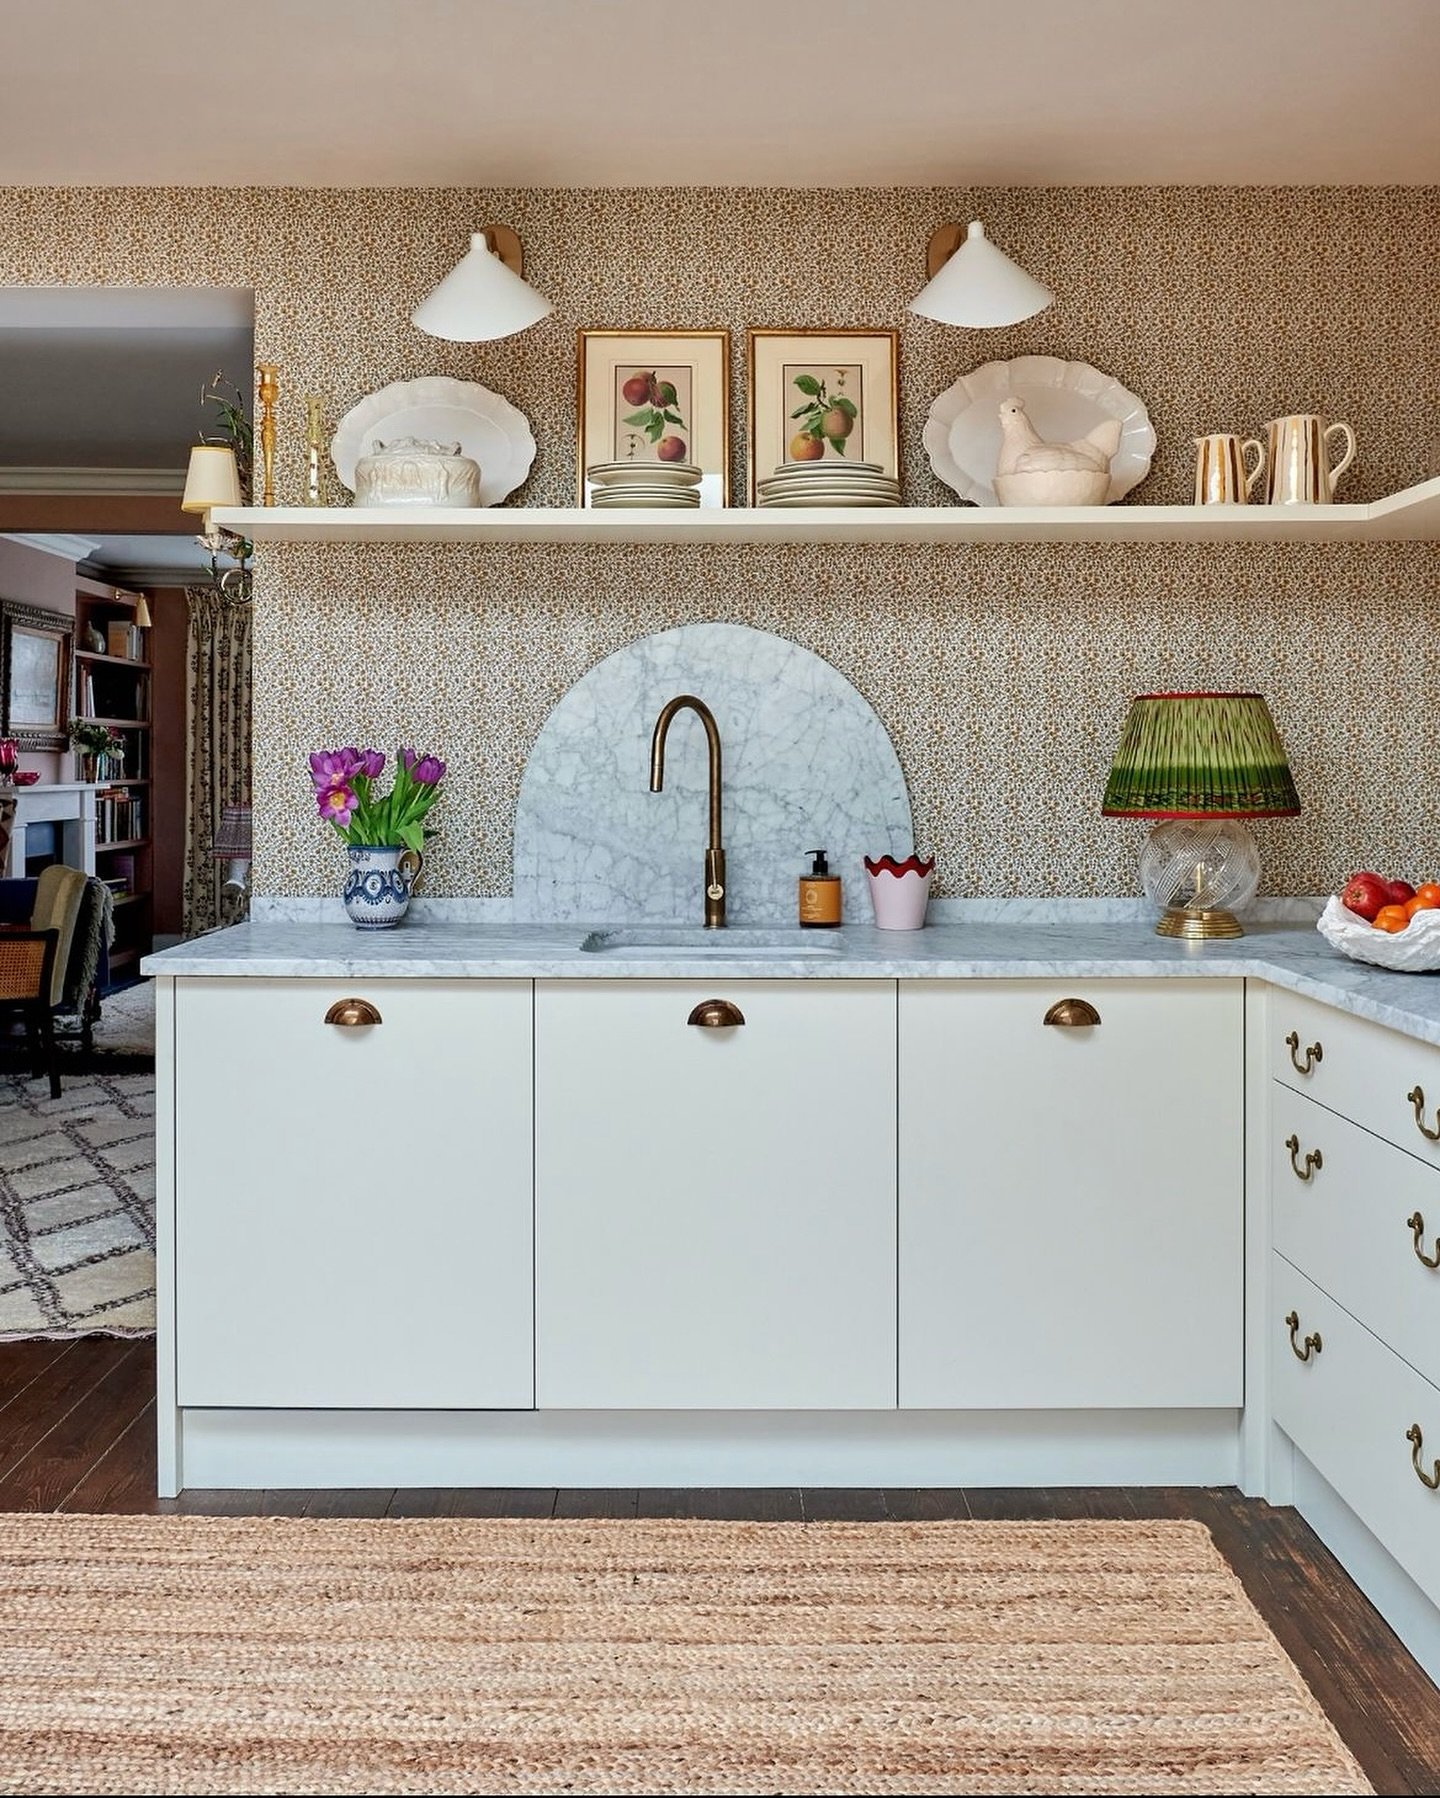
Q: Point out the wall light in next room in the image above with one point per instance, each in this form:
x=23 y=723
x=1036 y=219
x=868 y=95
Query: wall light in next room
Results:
x=484 y=296
x=973 y=283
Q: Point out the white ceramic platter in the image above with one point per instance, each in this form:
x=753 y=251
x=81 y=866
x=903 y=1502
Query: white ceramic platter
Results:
x=830 y=499
x=1063 y=401
x=487 y=428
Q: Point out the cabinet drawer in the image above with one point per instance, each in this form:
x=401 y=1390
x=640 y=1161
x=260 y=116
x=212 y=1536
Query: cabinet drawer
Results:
x=1344 y=1219
x=1348 y=1409
x=1359 y=1069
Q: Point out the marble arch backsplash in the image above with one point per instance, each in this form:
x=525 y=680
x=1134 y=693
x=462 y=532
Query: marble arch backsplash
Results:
x=1001 y=673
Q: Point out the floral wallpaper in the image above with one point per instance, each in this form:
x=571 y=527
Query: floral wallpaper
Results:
x=1002 y=672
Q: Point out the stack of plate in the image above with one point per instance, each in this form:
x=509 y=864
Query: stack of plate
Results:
x=828 y=483
x=643 y=484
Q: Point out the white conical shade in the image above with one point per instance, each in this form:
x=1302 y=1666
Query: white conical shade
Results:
x=980 y=286
x=212 y=479
x=480 y=299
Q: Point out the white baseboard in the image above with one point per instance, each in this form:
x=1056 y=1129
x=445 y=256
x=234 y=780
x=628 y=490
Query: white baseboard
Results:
x=250 y=1450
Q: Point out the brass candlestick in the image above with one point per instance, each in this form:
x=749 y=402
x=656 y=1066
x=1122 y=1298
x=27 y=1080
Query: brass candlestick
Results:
x=313 y=446
x=268 y=391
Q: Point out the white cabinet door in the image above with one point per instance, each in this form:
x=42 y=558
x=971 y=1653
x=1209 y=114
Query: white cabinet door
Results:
x=1071 y=1198
x=354 y=1205
x=715 y=1208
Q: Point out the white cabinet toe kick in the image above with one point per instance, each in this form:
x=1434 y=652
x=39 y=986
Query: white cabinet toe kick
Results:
x=598 y=1233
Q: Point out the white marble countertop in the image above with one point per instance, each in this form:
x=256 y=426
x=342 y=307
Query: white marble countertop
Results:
x=1287 y=955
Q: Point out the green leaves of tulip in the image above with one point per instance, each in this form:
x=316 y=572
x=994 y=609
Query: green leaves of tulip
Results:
x=345 y=795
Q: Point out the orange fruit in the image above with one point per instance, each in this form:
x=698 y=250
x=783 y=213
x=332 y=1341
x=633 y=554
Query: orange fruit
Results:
x=1429 y=891
x=1391 y=918
x=1420 y=903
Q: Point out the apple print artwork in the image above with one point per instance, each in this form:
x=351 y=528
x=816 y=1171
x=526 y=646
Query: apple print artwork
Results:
x=657 y=428
x=826 y=416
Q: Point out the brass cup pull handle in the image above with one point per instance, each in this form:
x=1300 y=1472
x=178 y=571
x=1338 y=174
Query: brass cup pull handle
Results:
x=1314 y=1160
x=1314 y=1053
x=352 y=1014
x=1073 y=1014
x=1312 y=1344
x=716 y=1014
x=1417 y=1228
x=1417 y=1442
x=1416 y=1096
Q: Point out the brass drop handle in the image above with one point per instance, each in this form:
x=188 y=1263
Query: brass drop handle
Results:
x=1313 y=1344
x=1417 y=1227
x=1314 y=1054
x=1416 y=1096
x=716 y=1014
x=1073 y=1014
x=351 y=1014
x=1417 y=1442
x=1314 y=1160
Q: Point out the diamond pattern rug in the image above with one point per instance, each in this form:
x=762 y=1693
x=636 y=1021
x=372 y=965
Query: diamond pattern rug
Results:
x=77 y=1206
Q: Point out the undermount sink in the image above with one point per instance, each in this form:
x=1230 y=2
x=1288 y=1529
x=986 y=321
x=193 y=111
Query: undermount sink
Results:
x=735 y=942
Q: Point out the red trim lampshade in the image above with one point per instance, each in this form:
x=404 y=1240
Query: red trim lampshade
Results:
x=1200 y=755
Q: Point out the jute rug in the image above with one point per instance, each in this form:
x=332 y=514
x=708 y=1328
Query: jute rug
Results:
x=77 y=1206
x=218 y=1655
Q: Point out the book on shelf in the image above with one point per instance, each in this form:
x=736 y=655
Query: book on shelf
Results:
x=119 y=884
x=119 y=815
x=123 y=639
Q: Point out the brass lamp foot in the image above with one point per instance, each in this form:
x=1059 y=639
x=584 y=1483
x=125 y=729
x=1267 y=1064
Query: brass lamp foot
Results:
x=1196 y=925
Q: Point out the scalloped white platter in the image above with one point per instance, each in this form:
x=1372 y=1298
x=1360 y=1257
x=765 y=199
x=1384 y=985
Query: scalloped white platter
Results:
x=487 y=427
x=1063 y=400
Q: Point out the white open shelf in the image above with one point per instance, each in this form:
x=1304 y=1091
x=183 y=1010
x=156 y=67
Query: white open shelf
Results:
x=1408 y=517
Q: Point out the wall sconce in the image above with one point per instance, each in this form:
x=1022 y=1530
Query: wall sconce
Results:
x=484 y=296
x=973 y=283
x=213 y=479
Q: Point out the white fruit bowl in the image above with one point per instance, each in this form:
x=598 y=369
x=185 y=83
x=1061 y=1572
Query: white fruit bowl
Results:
x=1414 y=950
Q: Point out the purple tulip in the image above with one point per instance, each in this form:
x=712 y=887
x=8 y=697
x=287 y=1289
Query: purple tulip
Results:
x=429 y=771
x=369 y=762
x=331 y=768
x=337 y=804
x=408 y=757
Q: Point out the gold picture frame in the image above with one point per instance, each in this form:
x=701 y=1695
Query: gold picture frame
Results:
x=36 y=663
x=834 y=388
x=687 y=403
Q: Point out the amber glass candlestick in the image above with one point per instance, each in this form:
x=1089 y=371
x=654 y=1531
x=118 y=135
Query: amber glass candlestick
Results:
x=268 y=390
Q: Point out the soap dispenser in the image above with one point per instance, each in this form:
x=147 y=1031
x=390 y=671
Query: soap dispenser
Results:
x=819 y=894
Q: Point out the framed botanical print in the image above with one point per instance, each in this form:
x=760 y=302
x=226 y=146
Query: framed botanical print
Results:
x=822 y=396
x=35 y=699
x=657 y=397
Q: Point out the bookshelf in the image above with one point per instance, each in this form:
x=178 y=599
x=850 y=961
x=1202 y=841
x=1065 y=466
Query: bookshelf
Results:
x=113 y=688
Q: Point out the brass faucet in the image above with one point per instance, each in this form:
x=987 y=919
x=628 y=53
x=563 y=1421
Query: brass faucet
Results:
x=714 y=854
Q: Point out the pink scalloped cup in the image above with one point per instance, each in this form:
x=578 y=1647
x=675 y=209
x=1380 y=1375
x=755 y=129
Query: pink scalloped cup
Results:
x=899 y=891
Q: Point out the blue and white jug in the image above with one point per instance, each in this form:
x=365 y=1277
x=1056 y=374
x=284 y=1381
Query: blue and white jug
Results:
x=378 y=887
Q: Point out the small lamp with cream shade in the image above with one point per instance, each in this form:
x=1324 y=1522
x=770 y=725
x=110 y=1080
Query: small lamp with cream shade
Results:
x=1200 y=763
x=213 y=479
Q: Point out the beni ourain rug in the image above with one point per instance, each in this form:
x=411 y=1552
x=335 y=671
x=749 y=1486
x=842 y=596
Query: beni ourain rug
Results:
x=267 y=1655
x=77 y=1205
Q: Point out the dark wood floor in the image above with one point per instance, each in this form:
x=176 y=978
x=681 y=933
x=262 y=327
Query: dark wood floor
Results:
x=77 y=1434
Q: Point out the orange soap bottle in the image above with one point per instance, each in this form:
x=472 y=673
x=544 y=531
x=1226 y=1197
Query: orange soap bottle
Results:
x=819 y=895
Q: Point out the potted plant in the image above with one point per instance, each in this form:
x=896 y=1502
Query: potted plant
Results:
x=97 y=746
x=384 y=834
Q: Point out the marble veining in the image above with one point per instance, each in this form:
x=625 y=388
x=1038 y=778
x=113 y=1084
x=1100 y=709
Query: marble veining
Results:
x=807 y=763
x=1287 y=956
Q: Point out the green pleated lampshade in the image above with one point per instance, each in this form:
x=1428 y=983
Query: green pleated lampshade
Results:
x=1200 y=755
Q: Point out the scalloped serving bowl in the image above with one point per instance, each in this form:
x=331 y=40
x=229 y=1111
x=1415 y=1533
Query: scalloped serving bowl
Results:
x=1414 y=950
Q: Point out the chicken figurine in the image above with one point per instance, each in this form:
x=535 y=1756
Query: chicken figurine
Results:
x=1030 y=471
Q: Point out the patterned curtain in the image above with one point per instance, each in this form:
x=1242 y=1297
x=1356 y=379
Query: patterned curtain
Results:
x=218 y=735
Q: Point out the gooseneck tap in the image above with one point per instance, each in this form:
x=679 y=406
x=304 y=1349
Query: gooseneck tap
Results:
x=714 y=853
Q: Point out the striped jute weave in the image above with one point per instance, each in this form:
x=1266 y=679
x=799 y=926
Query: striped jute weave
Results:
x=218 y=1655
